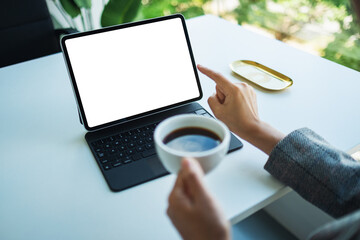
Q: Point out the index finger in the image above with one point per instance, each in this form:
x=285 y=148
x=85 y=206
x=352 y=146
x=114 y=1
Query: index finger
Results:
x=217 y=77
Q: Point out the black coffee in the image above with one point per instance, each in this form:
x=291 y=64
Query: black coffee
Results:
x=192 y=139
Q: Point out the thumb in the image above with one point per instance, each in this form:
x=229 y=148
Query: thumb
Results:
x=220 y=95
x=193 y=179
x=214 y=104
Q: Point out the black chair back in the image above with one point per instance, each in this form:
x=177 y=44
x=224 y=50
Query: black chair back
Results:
x=26 y=31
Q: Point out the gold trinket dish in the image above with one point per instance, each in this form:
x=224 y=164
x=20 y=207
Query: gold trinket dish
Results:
x=261 y=75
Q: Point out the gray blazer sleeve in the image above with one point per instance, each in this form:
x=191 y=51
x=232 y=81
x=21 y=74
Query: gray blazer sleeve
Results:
x=321 y=174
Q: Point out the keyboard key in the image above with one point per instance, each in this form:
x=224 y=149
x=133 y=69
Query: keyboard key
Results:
x=206 y=115
x=99 y=142
x=140 y=149
x=200 y=111
x=116 y=164
x=104 y=161
x=128 y=134
x=134 y=138
x=100 y=154
x=127 y=160
x=107 y=166
x=121 y=148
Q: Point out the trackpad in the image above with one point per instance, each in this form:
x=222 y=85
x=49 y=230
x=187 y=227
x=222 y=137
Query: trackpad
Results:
x=155 y=166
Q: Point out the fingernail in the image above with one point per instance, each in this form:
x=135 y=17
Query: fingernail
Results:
x=185 y=163
x=189 y=165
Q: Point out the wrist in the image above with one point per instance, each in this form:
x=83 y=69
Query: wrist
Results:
x=264 y=136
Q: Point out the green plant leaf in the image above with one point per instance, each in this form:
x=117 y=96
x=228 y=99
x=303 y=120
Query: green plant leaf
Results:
x=119 y=11
x=188 y=8
x=70 y=8
x=83 y=3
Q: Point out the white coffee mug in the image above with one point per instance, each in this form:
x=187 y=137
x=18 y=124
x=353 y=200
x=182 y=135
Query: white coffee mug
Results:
x=171 y=158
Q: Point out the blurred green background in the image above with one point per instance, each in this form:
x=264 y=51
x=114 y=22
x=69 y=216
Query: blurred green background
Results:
x=327 y=28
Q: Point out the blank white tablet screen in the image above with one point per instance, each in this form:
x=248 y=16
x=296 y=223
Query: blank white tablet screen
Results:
x=129 y=71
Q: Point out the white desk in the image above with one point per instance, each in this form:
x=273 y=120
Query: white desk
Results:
x=51 y=187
